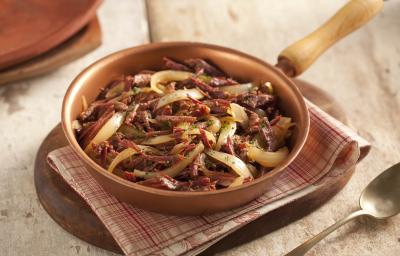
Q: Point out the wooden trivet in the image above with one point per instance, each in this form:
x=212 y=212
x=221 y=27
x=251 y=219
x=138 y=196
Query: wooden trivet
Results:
x=72 y=213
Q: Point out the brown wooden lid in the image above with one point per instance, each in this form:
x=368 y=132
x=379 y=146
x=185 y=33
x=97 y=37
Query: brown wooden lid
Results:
x=31 y=27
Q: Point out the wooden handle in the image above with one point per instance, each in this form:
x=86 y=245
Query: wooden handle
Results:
x=296 y=58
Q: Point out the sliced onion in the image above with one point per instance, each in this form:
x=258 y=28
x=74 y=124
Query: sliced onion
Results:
x=265 y=158
x=128 y=152
x=239 y=114
x=84 y=103
x=131 y=131
x=228 y=129
x=179 y=95
x=196 y=131
x=108 y=129
x=161 y=139
x=235 y=163
x=270 y=88
x=253 y=170
x=281 y=129
x=116 y=90
x=178 y=148
x=142 y=89
x=121 y=157
x=76 y=125
x=153 y=121
x=213 y=124
x=168 y=137
x=184 y=125
x=142 y=174
x=176 y=168
x=166 y=76
x=237 y=88
x=237 y=182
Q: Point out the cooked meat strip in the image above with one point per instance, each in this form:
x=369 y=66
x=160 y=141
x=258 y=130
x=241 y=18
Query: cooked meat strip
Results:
x=176 y=119
x=228 y=146
x=161 y=182
x=268 y=136
x=254 y=122
x=254 y=100
x=174 y=65
x=142 y=80
x=202 y=67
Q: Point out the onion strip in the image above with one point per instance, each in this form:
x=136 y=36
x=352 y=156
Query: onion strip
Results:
x=176 y=168
x=116 y=90
x=161 y=139
x=213 y=124
x=228 y=129
x=235 y=163
x=108 y=129
x=237 y=182
x=239 y=114
x=196 y=131
x=166 y=76
x=237 y=88
x=124 y=154
x=265 y=158
x=178 y=148
x=281 y=129
x=84 y=103
x=128 y=152
x=179 y=95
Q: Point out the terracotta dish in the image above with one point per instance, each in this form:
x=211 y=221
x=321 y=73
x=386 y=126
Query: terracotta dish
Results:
x=293 y=61
x=32 y=27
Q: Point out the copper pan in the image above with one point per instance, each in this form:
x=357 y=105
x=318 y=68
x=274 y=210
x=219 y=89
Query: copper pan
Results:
x=291 y=62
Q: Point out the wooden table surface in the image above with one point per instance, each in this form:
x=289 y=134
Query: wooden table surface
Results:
x=362 y=72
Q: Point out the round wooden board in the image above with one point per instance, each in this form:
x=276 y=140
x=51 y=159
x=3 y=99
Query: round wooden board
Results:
x=32 y=27
x=71 y=212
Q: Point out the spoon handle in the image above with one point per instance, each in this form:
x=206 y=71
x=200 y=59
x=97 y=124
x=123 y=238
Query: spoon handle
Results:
x=303 y=248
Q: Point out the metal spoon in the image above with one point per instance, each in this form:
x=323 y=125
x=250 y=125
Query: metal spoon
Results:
x=380 y=199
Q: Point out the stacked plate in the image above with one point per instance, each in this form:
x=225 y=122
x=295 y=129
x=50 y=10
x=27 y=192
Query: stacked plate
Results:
x=39 y=35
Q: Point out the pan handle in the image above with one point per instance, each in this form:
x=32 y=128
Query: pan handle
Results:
x=296 y=58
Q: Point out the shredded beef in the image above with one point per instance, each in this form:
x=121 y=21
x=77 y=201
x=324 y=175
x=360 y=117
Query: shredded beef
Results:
x=176 y=119
x=254 y=122
x=228 y=146
x=217 y=106
x=161 y=182
x=132 y=96
x=254 y=100
x=174 y=65
x=222 y=81
x=202 y=67
x=268 y=136
x=142 y=80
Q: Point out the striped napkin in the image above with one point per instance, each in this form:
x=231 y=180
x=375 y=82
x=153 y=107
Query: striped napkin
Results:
x=330 y=150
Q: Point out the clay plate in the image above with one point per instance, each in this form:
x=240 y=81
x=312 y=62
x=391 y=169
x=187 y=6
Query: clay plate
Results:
x=31 y=27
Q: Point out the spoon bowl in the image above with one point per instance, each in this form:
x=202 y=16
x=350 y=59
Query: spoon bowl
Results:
x=381 y=198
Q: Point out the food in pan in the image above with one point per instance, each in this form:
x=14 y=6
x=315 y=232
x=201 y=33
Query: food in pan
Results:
x=189 y=127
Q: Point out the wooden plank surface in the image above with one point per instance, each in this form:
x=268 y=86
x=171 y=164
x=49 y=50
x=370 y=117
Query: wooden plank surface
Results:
x=361 y=72
x=28 y=111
